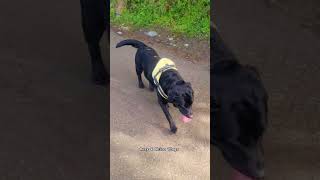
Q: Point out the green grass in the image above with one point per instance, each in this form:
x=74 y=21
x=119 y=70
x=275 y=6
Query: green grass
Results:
x=190 y=18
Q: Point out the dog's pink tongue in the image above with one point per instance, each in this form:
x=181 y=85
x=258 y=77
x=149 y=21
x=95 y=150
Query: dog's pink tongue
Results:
x=236 y=175
x=185 y=119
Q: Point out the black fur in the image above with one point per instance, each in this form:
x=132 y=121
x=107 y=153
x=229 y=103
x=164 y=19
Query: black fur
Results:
x=239 y=110
x=94 y=16
x=179 y=92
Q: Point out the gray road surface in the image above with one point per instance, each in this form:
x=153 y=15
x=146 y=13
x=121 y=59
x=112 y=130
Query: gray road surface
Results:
x=137 y=121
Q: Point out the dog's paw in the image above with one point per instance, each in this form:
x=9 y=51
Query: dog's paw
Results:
x=173 y=129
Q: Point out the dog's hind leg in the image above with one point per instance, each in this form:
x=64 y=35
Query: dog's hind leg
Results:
x=139 y=71
x=164 y=107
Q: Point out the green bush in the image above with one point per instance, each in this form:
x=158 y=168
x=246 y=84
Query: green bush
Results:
x=187 y=17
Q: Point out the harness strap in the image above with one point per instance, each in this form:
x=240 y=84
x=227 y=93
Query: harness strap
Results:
x=159 y=70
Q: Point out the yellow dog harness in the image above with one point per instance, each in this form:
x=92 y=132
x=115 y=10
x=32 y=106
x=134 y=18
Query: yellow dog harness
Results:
x=163 y=65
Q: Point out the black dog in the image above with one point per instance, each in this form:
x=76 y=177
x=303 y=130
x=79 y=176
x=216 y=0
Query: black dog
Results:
x=171 y=88
x=95 y=15
x=239 y=110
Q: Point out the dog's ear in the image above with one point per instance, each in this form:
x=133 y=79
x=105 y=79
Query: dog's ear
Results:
x=190 y=87
x=180 y=82
x=188 y=84
x=254 y=71
x=171 y=96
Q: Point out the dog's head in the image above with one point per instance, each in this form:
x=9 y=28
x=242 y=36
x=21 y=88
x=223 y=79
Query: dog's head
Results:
x=181 y=96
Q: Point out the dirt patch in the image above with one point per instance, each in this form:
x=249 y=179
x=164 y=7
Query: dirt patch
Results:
x=193 y=50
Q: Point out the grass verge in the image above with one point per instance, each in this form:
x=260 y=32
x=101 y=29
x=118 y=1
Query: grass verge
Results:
x=190 y=18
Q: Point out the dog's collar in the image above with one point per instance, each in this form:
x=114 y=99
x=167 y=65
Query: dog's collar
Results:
x=163 y=65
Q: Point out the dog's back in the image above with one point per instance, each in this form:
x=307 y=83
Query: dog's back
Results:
x=146 y=56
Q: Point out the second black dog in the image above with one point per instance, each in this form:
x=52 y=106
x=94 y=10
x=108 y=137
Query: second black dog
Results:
x=239 y=104
x=162 y=75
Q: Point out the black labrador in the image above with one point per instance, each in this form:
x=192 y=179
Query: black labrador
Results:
x=239 y=110
x=178 y=92
x=94 y=16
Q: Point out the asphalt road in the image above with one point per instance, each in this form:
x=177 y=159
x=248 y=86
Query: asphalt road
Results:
x=287 y=55
x=52 y=119
x=138 y=122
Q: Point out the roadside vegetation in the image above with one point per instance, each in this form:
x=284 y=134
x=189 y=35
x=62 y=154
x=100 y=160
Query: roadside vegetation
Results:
x=190 y=18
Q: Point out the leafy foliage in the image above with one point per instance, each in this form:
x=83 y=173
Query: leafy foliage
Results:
x=186 y=17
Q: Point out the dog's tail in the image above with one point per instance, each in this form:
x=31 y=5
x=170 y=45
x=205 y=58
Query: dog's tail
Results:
x=132 y=42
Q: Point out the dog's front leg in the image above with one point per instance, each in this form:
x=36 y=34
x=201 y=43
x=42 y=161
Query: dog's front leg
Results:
x=164 y=106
